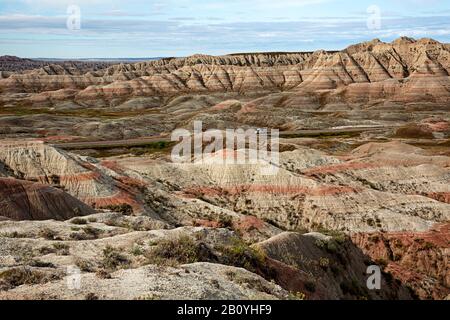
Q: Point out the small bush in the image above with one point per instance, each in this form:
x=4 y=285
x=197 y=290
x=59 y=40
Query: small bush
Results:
x=19 y=276
x=297 y=296
x=239 y=254
x=91 y=296
x=48 y=234
x=353 y=288
x=79 y=221
x=123 y=208
x=94 y=233
x=137 y=251
x=324 y=263
x=13 y=234
x=182 y=250
x=113 y=259
x=62 y=248
x=103 y=274
x=88 y=233
x=41 y=264
x=84 y=265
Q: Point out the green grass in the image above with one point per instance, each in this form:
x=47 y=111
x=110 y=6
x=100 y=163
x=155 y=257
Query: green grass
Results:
x=80 y=113
x=322 y=135
x=105 y=151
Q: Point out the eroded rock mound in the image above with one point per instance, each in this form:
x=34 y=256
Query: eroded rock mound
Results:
x=23 y=200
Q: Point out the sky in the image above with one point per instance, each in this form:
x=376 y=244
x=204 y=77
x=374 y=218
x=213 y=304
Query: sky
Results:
x=175 y=28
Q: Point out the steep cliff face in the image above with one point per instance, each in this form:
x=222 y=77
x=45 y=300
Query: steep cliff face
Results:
x=336 y=268
x=417 y=259
x=24 y=200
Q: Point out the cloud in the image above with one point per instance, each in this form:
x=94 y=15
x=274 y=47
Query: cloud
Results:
x=126 y=31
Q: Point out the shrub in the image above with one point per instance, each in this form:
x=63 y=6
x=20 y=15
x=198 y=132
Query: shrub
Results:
x=13 y=234
x=88 y=233
x=84 y=265
x=181 y=250
x=79 y=221
x=225 y=221
x=91 y=296
x=137 y=251
x=113 y=258
x=353 y=288
x=123 y=208
x=19 y=276
x=239 y=254
x=324 y=263
x=103 y=274
x=297 y=296
x=92 y=232
x=48 y=234
x=62 y=248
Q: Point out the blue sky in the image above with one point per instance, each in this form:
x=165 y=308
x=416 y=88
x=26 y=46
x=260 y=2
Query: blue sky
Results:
x=155 y=28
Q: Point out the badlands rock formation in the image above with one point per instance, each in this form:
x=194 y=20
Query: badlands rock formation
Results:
x=23 y=200
x=352 y=87
x=82 y=177
x=404 y=70
x=363 y=177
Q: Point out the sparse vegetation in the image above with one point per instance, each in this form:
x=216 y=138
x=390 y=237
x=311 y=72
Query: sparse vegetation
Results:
x=113 y=259
x=62 y=248
x=15 y=277
x=87 y=233
x=297 y=296
x=181 y=250
x=354 y=288
x=239 y=254
x=84 y=265
x=91 y=296
x=137 y=250
x=324 y=263
x=123 y=208
x=48 y=234
x=79 y=221
x=14 y=234
x=225 y=221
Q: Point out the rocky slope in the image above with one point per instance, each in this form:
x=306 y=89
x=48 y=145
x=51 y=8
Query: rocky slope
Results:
x=224 y=208
x=420 y=260
x=23 y=200
x=83 y=177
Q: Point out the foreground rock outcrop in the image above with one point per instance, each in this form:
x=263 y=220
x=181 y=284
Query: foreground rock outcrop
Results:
x=24 y=200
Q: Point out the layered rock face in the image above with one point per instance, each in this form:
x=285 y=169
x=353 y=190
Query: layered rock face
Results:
x=83 y=177
x=23 y=200
x=404 y=70
x=313 y=190
x=419 y=259
x=347 y=199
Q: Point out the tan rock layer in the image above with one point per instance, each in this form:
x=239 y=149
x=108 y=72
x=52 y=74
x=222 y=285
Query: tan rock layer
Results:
x=404 y=70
